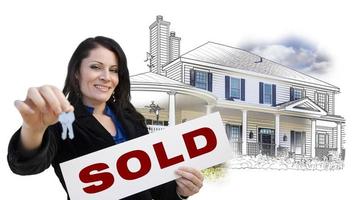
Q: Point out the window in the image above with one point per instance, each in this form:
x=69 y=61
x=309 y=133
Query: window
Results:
x=201 y=80
x=235 y=85
x=235 y=137
x=322 y=139
x=297 y=93
x=233 y=132
x=234 y=88
x=321 y=100
x=267 y=94
x=298 y=141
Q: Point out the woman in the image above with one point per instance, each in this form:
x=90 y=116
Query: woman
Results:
x=98 y=89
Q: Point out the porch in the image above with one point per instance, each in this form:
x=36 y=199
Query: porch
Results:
x=295 y=137
x=290 y=129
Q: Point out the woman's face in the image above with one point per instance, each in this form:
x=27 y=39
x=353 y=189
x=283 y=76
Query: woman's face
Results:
x=98 y=76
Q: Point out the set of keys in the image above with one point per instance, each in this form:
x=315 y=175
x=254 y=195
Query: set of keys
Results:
x=66 y=119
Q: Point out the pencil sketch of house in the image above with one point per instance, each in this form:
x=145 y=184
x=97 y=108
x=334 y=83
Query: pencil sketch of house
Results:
x=267 y=108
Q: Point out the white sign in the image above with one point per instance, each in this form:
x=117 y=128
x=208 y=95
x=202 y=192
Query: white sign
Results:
x=145 y=162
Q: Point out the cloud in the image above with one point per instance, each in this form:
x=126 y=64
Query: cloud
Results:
x=295 y=53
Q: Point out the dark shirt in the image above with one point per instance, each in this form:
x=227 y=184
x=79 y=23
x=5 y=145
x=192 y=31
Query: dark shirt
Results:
x=90 y=136
x=120 y=135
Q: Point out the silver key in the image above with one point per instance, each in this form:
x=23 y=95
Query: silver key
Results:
x=66 y=119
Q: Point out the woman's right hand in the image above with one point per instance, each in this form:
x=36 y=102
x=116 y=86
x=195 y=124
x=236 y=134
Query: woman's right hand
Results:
x=40 y=109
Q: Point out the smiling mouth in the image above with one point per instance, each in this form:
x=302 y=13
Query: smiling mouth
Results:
x=102 y=88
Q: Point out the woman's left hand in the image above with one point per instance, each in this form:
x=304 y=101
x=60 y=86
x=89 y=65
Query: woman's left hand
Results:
x=190 y=181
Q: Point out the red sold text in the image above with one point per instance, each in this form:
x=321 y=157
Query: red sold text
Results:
x=88 y=174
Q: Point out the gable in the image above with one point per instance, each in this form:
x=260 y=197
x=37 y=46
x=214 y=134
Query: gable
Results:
x=304 y=105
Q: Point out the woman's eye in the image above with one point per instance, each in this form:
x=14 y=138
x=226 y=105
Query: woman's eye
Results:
x=114 y=70
x=94 y=67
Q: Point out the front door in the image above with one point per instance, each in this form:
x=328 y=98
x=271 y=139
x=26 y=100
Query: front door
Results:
x=267 y=141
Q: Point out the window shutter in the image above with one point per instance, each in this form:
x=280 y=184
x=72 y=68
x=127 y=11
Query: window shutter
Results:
x=243 y=89
x=228 y=131
x=292 y=141
x=210 y=81
x=240 y=133
x=192 y=77
x=227 y=87
x=303 y=143
x=291 y=93
x=327 y=103
x=273 y=95
x=261 y=90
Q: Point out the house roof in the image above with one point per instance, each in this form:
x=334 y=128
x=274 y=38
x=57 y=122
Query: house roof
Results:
x=228 y=56
x=150 y=77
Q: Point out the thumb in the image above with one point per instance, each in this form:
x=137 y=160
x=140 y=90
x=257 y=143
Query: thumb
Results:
x=23 y=108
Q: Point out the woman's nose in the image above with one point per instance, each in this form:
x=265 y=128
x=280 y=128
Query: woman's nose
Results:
x=104 y=75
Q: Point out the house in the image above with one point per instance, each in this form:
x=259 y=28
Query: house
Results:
x=267 y=108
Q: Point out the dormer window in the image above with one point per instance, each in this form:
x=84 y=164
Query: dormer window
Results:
x=296 y=93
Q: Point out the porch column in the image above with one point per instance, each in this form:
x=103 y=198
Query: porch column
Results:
x=339 y=137
x=244 y=132
x=171 y=121
x=277 y=132
x=313 y=138
x=209 y=109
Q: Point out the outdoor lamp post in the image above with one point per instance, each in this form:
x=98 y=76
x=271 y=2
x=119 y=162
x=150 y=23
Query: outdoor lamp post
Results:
x=154 y=108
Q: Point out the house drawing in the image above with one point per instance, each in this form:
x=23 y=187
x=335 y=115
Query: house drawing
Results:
x=267 y=108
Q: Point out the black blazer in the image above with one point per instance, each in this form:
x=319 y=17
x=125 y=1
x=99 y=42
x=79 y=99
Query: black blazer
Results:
x=90 y=136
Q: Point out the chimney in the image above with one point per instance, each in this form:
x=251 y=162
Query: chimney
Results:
x=159 y=18
x=164 y=45
x=174 y=46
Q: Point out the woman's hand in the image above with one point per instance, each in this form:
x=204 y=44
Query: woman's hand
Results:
x=190 y=181
x=40 y=109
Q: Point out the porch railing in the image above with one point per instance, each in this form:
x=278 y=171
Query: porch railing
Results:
x=154 y=128
x=325 y=153
x=254 y=148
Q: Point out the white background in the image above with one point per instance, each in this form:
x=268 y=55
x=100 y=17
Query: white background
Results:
x=37 y=39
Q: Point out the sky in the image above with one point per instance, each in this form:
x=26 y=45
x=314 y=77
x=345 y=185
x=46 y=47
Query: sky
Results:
x=294 y=52
x=317 y=37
